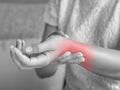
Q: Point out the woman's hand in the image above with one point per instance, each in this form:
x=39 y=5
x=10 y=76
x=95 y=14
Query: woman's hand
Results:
x=38 y=56
x=59 y=46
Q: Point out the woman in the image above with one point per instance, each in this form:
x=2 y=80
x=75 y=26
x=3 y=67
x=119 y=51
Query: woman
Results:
x=92 y=23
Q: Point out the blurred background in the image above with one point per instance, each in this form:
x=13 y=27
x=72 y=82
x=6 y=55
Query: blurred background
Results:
x=21 y=19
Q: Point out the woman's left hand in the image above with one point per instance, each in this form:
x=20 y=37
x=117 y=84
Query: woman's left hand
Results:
x=45 y=54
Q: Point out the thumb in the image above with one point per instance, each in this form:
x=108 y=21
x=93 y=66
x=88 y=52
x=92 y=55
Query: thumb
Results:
x=38 y=48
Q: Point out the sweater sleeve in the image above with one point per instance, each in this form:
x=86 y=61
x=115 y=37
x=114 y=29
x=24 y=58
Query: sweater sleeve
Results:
x=51 y=14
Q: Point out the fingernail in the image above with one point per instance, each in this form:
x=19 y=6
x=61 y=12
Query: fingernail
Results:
x=23 y=41
x=68 y=53
x=79 y=53
x=28 y=49
x=82 y=59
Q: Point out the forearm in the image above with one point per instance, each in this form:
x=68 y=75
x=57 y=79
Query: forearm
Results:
x=106 y=62
x=99 y=60
x=50 y=69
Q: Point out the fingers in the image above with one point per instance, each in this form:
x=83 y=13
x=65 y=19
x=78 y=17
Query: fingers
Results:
x=18 y=64
x=64 y=56
x=23 y=62
x=19 y=44
x=17 y=54
x=23 y=45
x=75 y=58
x=13 y=57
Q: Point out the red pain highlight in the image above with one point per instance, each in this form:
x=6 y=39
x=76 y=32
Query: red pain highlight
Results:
x=73 y=47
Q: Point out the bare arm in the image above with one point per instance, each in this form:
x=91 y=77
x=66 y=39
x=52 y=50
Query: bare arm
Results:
x=102 y=61
x=99 y=60
x=24 y=60
x=50 y=69
x=106 y=62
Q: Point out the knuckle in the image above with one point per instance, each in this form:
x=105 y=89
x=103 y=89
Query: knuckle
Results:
x=66 y=54
x=83 y=59
x=79 y=53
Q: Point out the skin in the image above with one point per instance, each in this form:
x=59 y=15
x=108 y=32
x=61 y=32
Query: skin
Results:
x=51 y=45
x=97 y=60
x=50 y=69
x=39 y=60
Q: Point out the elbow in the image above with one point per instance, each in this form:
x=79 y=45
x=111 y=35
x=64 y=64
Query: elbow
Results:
x=43 y=75
x=45 y=72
